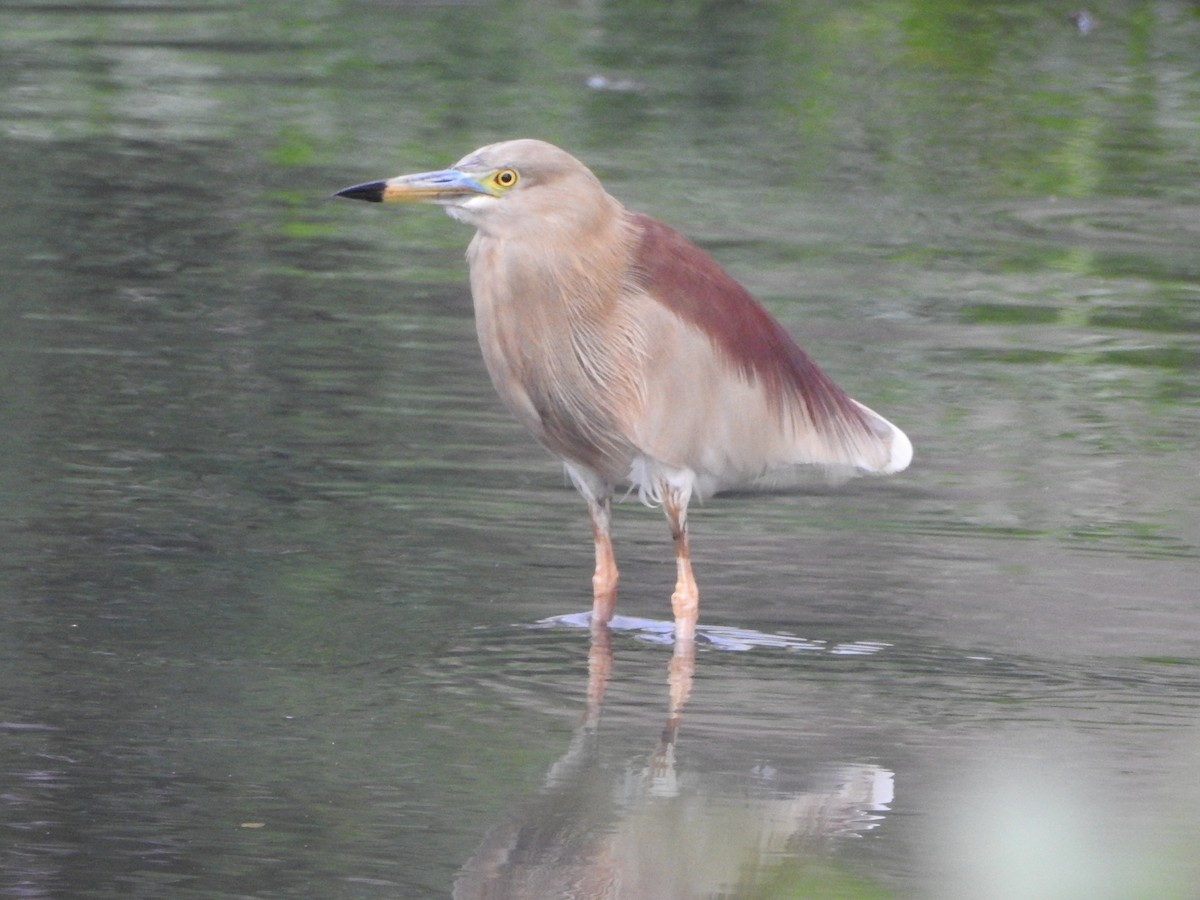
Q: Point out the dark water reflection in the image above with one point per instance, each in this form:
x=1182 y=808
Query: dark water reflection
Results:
x=290 y=607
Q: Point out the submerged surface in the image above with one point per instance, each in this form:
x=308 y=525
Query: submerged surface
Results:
x=292 y=609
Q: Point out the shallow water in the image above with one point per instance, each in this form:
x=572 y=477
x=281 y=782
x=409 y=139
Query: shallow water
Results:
x=293 y=609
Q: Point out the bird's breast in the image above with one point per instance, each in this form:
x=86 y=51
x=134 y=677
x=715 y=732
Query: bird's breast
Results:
x=560 y=353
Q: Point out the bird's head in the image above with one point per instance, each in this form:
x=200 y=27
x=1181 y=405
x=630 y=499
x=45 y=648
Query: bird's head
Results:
x=506 y=185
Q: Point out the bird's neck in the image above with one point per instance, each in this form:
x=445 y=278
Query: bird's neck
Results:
x=571 y=266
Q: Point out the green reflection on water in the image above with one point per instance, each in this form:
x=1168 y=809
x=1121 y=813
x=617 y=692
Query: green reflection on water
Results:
x=1009 y=314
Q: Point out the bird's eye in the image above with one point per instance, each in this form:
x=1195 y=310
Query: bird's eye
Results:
x=505 y=178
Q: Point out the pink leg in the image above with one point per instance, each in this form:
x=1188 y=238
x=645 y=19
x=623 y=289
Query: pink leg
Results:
x=604 y=581
x=598 y=494
x=685 y=601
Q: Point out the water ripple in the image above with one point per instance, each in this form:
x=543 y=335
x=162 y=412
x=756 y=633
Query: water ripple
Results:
x=720 y=637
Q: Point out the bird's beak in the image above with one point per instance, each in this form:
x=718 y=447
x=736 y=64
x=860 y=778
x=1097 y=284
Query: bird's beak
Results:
x=446 y=186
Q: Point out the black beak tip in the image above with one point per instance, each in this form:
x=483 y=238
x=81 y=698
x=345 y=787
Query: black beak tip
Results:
x=372 y=192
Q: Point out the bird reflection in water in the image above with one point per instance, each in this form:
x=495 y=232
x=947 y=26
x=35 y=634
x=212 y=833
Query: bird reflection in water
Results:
x=630 y=354
x=597 y=830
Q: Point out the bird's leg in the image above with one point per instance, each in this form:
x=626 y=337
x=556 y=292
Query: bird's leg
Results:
x=685 y=601
x=598 y=494
x=604 y=581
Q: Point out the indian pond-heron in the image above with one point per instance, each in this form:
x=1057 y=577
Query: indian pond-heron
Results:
x=629 y=353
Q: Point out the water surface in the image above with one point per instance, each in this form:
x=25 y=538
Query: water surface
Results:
x=292 y=608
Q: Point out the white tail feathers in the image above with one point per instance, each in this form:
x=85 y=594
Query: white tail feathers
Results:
x=900 y=447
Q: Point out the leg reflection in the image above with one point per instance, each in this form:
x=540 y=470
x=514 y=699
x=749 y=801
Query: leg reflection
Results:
x=600 y=663
x=679 y=681
x=680 y=672
x=681 y=668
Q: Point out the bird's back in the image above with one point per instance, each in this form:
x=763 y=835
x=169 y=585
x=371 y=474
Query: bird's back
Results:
x=728 y=393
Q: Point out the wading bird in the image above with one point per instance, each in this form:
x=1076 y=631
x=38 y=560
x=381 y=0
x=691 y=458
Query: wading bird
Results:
x=630 y=354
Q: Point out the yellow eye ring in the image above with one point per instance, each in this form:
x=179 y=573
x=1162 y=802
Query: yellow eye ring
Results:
x=505 y=178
